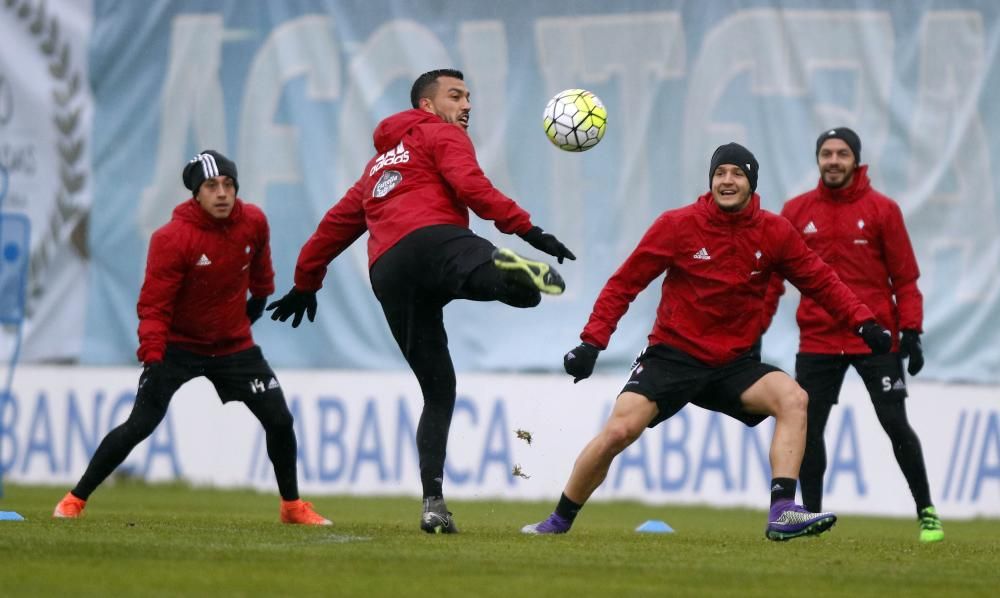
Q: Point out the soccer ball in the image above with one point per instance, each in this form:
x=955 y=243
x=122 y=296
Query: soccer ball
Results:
x=574 y=120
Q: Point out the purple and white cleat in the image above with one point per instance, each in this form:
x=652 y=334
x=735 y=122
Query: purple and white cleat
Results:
x=553 y=525
x=788 y=520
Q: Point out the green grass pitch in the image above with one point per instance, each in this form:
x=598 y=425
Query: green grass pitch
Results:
x=174 y=540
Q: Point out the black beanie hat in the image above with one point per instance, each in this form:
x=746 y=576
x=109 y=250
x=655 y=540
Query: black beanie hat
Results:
x=206 y=165
x=844 y=134
x=734 y=153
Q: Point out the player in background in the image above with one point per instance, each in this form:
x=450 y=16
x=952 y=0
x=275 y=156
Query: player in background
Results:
x=413 y=198
x=194 y=320
x=860 y=233
x=718 y=254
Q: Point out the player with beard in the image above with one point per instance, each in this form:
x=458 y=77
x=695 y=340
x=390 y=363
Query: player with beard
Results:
x=861 y=234
x=413 y=198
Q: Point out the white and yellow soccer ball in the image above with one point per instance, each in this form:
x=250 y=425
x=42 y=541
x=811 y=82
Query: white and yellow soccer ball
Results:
x=574 y=120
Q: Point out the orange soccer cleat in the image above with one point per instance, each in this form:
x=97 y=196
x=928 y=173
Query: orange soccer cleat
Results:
x=70 y=507
x=298 y=511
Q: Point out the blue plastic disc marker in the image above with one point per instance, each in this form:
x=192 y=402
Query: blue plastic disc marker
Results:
x=655 y=526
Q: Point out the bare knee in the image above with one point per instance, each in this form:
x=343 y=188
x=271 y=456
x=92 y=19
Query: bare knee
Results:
x=792 y=401
x=618 y=435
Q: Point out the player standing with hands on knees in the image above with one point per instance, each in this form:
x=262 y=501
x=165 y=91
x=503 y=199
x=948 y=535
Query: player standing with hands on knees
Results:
x=718 y=254
x=861 y=234
x=194 y=320
x=414 y=198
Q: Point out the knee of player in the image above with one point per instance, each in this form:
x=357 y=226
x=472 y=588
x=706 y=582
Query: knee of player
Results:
x=618 y=435
x=794 y=400
x=278 y=418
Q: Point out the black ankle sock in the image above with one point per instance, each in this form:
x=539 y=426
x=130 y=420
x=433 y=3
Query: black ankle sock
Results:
x=567 y=509
x=433 y=485
x=782 y=489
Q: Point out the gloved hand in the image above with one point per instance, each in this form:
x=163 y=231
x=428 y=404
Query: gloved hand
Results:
x=580 y=361
x=255 y=308
x=911 y=347
x=876 y=337
x=294 y=302
x=543 y=241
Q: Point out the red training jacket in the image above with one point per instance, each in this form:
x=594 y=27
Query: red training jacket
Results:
x=860 y=233
x=718 y=265
x=425 y=173
x=198 y=271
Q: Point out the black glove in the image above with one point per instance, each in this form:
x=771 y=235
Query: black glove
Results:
x=543 y=241
x=294 y=302
x=579 y=362
x=911 y=347
x=255 y=308
x=876 y=337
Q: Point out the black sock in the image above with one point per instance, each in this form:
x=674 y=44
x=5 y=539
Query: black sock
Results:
x=782 y=489
x=432 y=485
x=567 y=509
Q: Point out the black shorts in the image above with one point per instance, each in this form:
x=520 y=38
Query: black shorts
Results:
x=822 y=376
x=672 y=378
x=243 y=376
x=433 y=262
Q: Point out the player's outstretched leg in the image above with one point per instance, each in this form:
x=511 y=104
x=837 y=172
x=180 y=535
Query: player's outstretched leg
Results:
x=70 y=507
x=436 y=518
x=553 y=525
x=538 y=274
x=301 y=512
x=788 y=520
x=931 y=529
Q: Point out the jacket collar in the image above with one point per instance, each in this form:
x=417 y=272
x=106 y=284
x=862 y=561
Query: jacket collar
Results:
x=716 y=215
x=858 y=187
x=192 y=212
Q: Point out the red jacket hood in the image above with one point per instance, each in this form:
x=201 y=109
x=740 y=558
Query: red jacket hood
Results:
x=858 y=187
x=191 y=211
x=390 y=131
x=706 y=205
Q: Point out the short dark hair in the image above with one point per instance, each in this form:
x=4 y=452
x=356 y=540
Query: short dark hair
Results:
x=426 y=84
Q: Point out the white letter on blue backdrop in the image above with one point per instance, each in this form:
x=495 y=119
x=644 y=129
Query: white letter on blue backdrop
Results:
x=191 y=102
x=397 y=50
x=797 y=45
x=639 y=50
x=268 y=151
x=949 y=141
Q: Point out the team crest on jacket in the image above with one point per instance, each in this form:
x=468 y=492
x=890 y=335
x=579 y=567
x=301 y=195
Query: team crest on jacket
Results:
x=386 y=183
